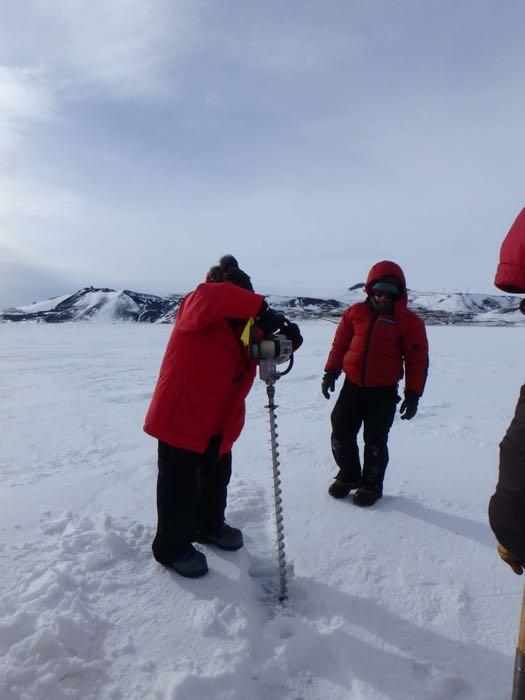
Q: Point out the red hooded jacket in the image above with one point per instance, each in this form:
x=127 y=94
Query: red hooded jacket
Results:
x=372 y=348
x=507 y=505
x=510 y=275
x=206 y=372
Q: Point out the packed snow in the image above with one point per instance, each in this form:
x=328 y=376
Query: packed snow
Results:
x=406 y=600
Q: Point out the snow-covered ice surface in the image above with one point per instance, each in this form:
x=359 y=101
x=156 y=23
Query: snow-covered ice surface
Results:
x=406 y=600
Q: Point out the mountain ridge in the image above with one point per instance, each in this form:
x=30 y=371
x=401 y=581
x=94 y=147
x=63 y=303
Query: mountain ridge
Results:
x=103 y=304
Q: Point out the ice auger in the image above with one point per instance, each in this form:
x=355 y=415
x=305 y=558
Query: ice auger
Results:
x=272 y=352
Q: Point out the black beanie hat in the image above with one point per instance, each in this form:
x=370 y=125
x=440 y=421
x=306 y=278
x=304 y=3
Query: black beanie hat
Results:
x=228 y=271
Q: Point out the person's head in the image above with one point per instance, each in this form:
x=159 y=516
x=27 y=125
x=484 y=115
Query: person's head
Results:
x=385 y=292
x=228 y=271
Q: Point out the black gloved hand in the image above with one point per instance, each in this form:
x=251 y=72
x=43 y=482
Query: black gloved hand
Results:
x=516 y=563
x=408 y=408
x=292 y=332
x=270 y=321
x=328 y=383
x=267 y=319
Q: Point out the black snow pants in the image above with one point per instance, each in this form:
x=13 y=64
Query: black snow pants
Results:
x=191 y=496
x=507 y=505
x=374 y=408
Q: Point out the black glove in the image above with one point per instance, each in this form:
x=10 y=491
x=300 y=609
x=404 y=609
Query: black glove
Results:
x=516 y=563
x=268 y=320
x=292 y=332
x=408 y=408
x=328 y=383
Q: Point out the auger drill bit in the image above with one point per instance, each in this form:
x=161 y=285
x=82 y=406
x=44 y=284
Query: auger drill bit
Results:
x=281 y=553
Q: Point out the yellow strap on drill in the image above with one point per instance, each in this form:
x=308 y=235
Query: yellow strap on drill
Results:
x=245 y=335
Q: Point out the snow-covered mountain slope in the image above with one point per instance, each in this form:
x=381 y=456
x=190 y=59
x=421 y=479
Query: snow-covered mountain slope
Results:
x=406 y=600
x=96 y=304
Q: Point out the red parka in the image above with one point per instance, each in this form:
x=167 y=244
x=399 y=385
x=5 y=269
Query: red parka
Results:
x=510 y=275
x=372 y=348
x=507 y=505
x=206 y=373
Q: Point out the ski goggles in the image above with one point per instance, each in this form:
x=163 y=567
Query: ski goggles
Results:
x=386 y=289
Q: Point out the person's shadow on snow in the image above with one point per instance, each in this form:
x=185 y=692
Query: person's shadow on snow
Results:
x=398 y=658
x=457 y=524
x=348 y=639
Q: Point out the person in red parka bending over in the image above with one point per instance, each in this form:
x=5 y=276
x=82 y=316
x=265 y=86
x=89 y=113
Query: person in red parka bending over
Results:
x=197 y=412
x=375 y=341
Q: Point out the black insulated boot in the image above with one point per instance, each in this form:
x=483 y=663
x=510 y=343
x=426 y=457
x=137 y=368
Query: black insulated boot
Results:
x=366 y=495
x=225 y=537
x=341 y=489
x=190 y=563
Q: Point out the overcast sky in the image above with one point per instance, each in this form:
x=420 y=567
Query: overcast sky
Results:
x=142 y=139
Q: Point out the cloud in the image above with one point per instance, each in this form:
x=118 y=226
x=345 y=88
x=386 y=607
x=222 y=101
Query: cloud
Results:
x=27 y=101
x=25 y=98
x=144 y=138
x=121 y=49
x=62 y=53
x=22 y=283
x=26 y=199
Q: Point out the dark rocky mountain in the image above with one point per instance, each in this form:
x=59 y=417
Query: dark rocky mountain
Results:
x=109 y=305
x=98 y=304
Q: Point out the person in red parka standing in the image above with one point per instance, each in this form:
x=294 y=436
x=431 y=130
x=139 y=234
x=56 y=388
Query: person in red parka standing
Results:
x=197 y=412
x=376 y=342
x=507 y=505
